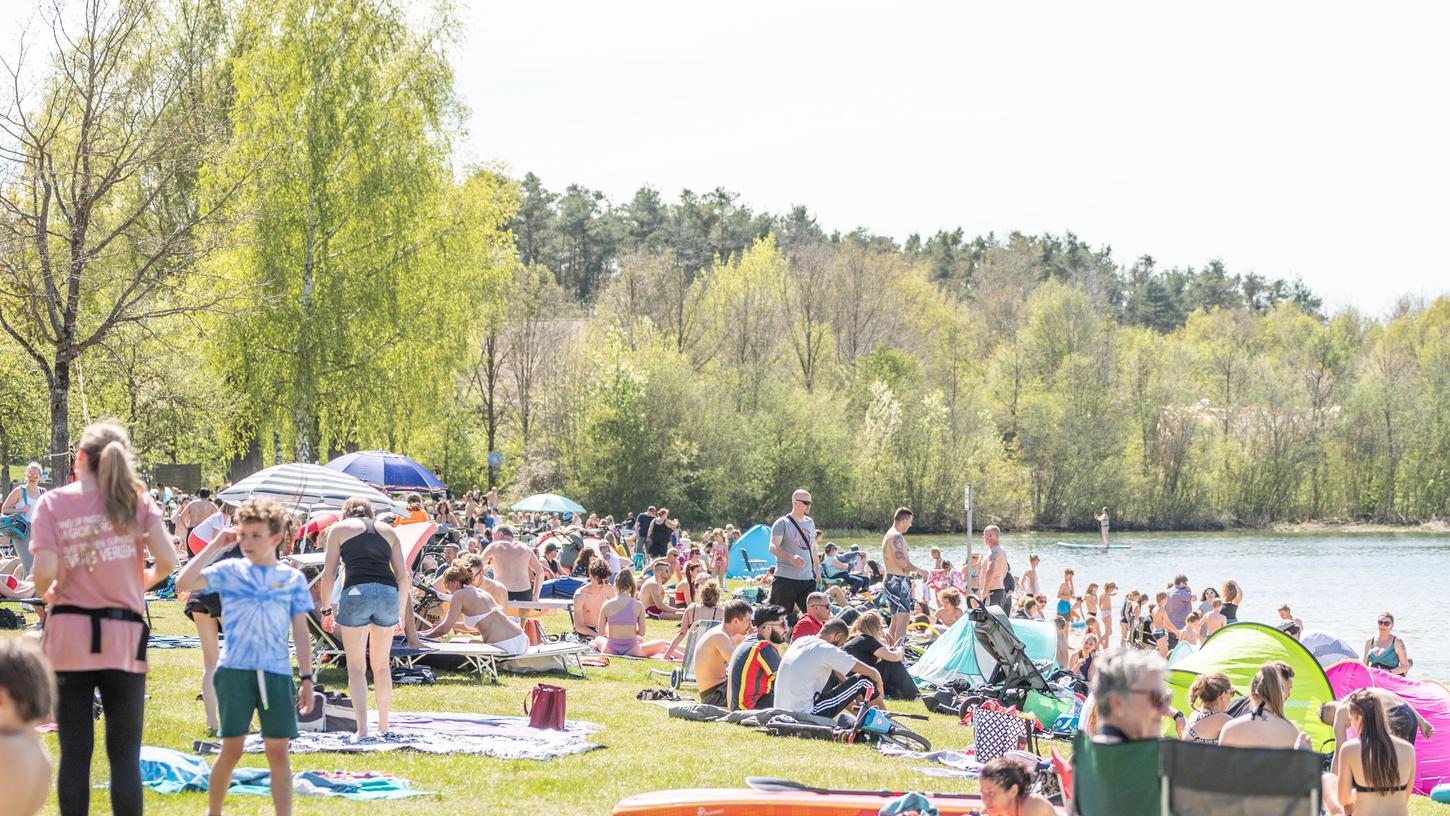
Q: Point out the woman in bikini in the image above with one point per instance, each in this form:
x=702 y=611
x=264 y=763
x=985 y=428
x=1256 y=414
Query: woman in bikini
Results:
x=1105 y=611
x=1232 y=597
x=621 y=619
x=1375 y=769
x=1386 y=651
x=1090 y=602
x=476 y=613
x=1265 y=726
x=1209 y=697
x=707 y=608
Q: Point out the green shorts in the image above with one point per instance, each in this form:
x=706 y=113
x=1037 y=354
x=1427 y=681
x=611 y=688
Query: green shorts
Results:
x=238 y=695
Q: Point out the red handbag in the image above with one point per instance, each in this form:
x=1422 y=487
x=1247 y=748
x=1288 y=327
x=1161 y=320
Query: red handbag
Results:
x=545 y=707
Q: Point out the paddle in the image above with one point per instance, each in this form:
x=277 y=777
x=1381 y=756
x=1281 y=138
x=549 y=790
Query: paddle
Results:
x=772 y=784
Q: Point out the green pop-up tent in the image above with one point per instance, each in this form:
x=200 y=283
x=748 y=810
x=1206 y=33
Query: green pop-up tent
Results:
x=1238 y=650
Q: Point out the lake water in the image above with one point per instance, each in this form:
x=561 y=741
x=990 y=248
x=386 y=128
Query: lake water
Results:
x=1337 y=583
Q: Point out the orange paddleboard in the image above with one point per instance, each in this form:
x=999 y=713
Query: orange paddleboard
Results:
x=748 y=802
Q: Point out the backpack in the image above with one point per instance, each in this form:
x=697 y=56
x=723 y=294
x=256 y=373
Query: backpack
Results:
x=1009 y=583
x=11 y=620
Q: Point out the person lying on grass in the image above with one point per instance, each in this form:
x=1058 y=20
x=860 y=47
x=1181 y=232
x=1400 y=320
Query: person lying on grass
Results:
x=261 y=597
x=475 y=612
x=27 y=694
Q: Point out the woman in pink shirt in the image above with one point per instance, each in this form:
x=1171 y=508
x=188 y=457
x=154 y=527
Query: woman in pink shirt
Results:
x=90 y=540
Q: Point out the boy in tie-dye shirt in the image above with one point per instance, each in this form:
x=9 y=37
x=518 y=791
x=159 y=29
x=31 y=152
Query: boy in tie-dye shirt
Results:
x=262 y=597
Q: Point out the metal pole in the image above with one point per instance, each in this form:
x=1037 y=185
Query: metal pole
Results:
x=969 y=538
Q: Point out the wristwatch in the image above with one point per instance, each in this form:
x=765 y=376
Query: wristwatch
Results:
x=304 y=678
x=325 y=612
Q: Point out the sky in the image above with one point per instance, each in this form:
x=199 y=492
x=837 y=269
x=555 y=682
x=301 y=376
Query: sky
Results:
x=1290 y=139
x=1305 y=140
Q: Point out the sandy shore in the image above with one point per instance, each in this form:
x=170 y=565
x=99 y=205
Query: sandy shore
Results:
x=1360 y=527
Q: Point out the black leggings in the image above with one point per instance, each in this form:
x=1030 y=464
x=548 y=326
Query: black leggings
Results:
x=123 y=696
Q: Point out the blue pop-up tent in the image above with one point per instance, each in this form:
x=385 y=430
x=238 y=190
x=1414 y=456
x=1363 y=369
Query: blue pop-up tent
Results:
x=750 y=556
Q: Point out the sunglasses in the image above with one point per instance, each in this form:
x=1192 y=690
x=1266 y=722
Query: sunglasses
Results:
x=1386 y=623
x=1158 y=698
x=806 y=502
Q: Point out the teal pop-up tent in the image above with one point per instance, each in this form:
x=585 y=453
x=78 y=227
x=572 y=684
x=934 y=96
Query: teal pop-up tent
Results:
x=751 y=554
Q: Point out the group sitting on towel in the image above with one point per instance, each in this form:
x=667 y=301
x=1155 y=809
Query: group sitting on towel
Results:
x=738 y=668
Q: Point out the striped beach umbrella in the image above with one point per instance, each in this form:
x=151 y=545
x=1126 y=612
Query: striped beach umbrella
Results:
x=305 y=487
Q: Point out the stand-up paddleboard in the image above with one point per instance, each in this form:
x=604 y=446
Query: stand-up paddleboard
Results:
x=1075 y=545
x=777 y=797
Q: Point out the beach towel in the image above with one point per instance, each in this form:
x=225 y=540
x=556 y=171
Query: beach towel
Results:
x=173 y=642
x=951 y=764
x=448 y=733
x=166 y=771
x=1432 y=700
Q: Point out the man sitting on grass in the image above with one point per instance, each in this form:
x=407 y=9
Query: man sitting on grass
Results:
x=818 y=677
x=262 y=597
x=818 y=611
x=754 y=662
x=714 y=650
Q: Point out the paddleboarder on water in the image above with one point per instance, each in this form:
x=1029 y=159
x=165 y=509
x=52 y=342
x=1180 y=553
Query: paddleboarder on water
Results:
x=1102 y=519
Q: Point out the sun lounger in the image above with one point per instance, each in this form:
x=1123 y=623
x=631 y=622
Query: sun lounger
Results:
x=327 y=647
x=488 y=660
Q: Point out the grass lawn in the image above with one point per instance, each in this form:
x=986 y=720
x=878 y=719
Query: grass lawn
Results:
x=645 y=749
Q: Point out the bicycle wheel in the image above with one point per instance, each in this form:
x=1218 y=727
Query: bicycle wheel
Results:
x=903 y=737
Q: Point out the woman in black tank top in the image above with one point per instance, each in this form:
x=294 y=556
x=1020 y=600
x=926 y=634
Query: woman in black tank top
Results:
x=375 y=591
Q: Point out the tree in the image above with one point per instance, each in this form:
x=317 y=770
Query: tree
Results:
x=533 y=330
x=361 y=257
x=98 y=229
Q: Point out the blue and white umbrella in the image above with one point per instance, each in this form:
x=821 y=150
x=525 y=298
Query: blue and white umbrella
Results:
x=304 y=487
x=546 y=503
x=390 y=471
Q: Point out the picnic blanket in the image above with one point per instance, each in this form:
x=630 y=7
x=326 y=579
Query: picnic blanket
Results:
x=173 y=642
x=166 y=771
x=447 y=733
x=957 y=765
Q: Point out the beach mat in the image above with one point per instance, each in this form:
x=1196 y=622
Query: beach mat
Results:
x=167 y=771
x=446 y=733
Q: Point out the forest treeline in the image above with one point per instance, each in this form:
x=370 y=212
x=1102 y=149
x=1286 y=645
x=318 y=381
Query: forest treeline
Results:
x=279 y=261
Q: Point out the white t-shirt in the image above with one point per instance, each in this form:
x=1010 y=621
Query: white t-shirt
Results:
x=805 y=670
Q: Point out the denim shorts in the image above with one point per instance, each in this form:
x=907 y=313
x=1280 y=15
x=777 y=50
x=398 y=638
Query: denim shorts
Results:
x=364 y=604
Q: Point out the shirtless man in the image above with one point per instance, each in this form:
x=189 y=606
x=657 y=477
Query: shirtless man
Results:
x=996 y=568
x=474 y=562
x=1065 y=593
x=1214 y=620
x=713 y=651
x=898 y=571
x=1028 y=584
x=197 y=510
x=590 y=598
x=476 y=612
x=652 y=593
x=514 y=565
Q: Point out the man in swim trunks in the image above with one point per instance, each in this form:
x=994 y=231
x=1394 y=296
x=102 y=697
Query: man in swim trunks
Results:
x=196 y=511
x=995 y=581
x=591 y=598
x=652 y=593
x=898 y=571
x=515 y=565
x=714 y=650
x=1065 y=595
x=755 y=661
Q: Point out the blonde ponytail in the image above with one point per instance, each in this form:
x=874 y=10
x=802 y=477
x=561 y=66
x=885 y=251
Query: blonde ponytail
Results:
x=108 y=450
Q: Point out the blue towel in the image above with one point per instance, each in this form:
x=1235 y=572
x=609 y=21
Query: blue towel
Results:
x=166 y=771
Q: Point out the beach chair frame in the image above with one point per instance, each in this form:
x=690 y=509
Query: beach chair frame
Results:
x=685 y=673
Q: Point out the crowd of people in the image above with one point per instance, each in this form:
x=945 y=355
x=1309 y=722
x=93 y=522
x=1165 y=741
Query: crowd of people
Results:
x=824 y=630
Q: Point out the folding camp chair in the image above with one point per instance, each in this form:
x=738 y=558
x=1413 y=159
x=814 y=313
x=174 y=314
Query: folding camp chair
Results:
x=1115 y=780
x=327 y=647
x=1198 y=779
x=685 y=672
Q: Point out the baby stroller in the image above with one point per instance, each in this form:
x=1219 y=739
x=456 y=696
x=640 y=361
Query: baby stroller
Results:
x=1016 y=673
